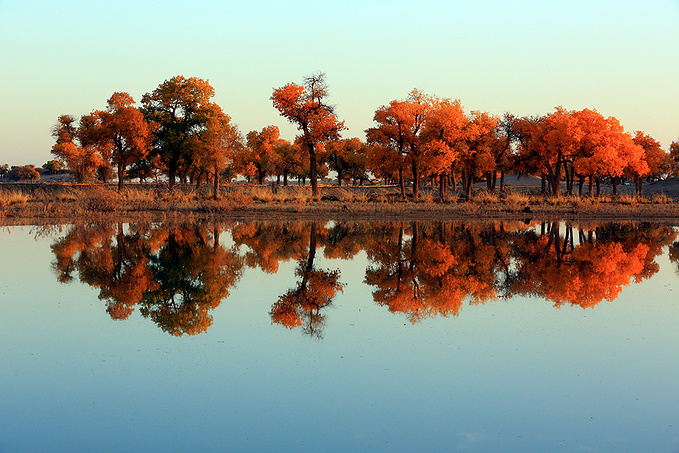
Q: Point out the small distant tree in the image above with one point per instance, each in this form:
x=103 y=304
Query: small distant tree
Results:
x=23 y=173
x=674 y=157
x=53 y=167
x=4 y=169
x=261 y=151
x=217 y=145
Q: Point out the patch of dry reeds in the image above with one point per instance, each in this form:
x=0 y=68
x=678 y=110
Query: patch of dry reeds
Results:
x=661 y=198
x=13 y=197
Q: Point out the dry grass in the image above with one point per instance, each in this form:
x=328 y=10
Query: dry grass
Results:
x=517 y=198
x=661 y=198
x=147 y=201
x=13 y=197
x=630 y=200
x=136 y=195
x=485 y=197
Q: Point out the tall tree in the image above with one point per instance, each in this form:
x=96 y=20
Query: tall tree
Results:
x=217 y=145
x=128 y=132
x=182 y=108
x=400 y=126
x=305 y=106
x=445 y=129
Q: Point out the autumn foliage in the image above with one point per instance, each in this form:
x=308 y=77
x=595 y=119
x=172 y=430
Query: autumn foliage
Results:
x=420 y=139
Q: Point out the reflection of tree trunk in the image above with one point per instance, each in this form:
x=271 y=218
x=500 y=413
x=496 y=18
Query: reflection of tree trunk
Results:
x=413 y=256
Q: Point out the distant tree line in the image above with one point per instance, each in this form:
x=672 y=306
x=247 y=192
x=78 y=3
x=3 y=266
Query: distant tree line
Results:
x=180 y=133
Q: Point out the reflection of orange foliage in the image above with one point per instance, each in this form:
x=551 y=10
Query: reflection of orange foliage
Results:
x=177 y=276
x=302 y=305
x=431 y=273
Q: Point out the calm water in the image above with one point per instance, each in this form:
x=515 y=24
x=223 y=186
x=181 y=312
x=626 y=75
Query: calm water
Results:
x=339 y=337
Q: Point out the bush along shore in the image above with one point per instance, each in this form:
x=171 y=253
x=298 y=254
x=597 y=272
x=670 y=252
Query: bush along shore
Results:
x=154 y=201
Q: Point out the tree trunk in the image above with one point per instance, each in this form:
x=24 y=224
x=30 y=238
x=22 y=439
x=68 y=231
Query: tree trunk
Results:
x=121 y=176
x=215 y=192
x=401 y=183
x=614 y=183
x=416 y=181
x=312 y=175
x=443 y=180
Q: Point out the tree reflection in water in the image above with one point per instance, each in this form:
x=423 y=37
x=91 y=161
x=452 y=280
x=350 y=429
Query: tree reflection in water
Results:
x=177 y=274
x=303 y=305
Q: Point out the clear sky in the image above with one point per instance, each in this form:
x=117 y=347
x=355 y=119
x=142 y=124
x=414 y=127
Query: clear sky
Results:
x=617 y=56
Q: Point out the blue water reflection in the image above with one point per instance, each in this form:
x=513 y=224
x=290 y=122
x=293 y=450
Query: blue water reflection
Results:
x=196 y=337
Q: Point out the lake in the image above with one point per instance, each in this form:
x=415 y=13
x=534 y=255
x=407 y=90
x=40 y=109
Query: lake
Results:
x=340 y=336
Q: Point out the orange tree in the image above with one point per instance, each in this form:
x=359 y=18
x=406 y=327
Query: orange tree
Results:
x=75 y=147
x=261 y=152
x=400 y=126
x=126 y=131
x=653 y=155
x=443 y=136
x=217 y=145
x=305 y=106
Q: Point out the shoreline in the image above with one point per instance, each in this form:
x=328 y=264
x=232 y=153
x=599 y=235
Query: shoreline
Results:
x=77 y=203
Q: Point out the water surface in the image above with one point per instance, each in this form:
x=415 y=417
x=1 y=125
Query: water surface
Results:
x=339 y=336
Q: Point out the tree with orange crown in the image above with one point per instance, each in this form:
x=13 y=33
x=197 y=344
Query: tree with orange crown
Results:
x=128 y=133
x=305 y=106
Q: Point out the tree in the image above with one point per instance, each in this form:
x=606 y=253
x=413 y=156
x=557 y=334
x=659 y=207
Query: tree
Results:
x=181 y=107
x=217 y=145
x=305 y=106
x=653 y=155
x=476 y=156
x=399 y=127
x=53 y=167
x=23 y=173
x=444 y=133
x=261 y=151
x=128 y=133
x=347 y=158
x=76 y=145
x=674 y=158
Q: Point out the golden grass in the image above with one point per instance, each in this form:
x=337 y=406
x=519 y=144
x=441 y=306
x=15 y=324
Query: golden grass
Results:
x=661 y=198
x=517 y=198
x=628 y=199
x=158 y=200
x=13 y=197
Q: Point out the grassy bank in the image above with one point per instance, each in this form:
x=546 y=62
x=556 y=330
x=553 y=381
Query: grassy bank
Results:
x=70 y=201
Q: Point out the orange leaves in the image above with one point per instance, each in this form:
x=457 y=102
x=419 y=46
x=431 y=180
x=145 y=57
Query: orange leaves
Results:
x=304 y=106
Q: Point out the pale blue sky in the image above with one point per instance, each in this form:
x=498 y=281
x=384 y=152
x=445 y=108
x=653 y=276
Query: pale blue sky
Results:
x=525 y=57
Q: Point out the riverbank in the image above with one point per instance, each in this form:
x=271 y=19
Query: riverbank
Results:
x=71 y=202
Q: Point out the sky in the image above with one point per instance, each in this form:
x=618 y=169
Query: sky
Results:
x=525 y=57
